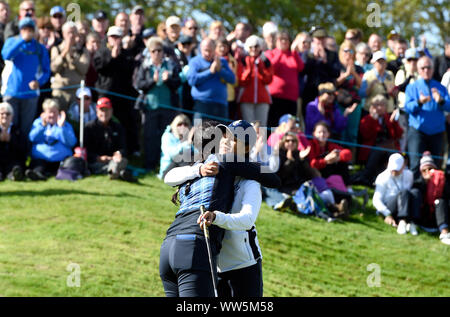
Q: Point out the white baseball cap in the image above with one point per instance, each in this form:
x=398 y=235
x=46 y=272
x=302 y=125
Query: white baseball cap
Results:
x=173 y=20
x=81 y=92
x=396 y=162
x=115 y=31
x=378 y=55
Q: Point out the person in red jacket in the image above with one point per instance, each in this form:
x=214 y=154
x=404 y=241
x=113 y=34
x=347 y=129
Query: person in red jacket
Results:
x=254 y=73
x=379 y=129
x=329 y=158
x=284 y=87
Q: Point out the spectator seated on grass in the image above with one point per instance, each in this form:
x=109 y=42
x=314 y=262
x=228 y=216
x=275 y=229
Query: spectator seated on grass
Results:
x=379 y=129
x=393 y=198
x=293 y=170
x=176 y=145
x=329 y=158
x=432 y=193
x=12 y=149
x=52 y=141
x=288 y=123
x=89 y=109
x=105 y=144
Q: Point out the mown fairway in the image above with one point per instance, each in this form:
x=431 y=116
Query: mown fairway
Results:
x=113 y=231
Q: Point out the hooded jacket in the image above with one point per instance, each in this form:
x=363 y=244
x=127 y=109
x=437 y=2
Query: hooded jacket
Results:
x=24 y=62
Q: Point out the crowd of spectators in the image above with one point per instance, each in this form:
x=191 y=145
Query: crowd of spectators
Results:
x=147 y=85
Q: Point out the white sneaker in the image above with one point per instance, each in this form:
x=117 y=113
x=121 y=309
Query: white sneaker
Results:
x=445 y=238
x=401 y=229
x=413 y=229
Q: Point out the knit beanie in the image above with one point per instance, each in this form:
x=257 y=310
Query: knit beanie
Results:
x=427 y=160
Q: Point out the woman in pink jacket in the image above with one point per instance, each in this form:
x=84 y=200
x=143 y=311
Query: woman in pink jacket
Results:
x=284 y=86
x=254 y=74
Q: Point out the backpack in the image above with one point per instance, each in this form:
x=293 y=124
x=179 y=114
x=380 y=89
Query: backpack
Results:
x=72 y=168
x=309 y=202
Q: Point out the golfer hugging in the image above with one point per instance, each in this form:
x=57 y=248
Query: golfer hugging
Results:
x=226 y=185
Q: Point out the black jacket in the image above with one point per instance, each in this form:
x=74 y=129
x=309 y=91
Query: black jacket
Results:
x=318 y=72
x=144 y=80
x=13 y=152
x=293 y=173
x=441 y=64
x=115 y=74
x=104 y=140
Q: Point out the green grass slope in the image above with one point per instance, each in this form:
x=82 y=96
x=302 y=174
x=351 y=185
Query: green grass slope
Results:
x=113 y=231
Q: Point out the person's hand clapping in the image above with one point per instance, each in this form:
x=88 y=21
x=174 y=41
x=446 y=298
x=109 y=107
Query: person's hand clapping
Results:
x=165 y=76
x=61 y=118
x=424 y=99
x=332 y=157
x=44 y=118
x=436 y=95
x=304 y=153
x=349 y=110
x=156 y=76
x=34 y=85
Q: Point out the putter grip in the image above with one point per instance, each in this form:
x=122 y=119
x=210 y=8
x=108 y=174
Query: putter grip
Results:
x=205 y=228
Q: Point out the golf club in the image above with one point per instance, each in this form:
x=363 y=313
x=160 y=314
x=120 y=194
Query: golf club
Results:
x=206 y=232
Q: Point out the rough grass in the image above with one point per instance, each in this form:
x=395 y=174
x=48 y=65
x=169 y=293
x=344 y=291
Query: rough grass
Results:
x=113 y=231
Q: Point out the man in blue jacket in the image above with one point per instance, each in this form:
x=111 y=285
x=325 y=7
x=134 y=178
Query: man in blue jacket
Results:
x=426 y=101
x=208 y=76
x=27 y=67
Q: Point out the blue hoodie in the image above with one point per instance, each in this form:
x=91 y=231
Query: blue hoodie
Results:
x=428 y=118
x=51 y=143
x=24 y=62
x=206 y=86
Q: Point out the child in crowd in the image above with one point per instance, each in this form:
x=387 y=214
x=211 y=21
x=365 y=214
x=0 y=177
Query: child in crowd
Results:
x=329 y=158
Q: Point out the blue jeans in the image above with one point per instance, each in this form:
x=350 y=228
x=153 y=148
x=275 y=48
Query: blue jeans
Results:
x=210 y=110
x=24 y=112
x=419 y=142
x=272 y=196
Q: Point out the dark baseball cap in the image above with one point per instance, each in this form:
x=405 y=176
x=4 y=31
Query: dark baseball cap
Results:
x=185 y=39
x=241 y=130
x=148 y=32
x=100 y=15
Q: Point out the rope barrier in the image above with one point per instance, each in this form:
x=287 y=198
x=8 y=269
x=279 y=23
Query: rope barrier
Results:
x=341 y=142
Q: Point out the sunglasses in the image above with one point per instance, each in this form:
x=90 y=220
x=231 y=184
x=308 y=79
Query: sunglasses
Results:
x=182 y=123
x=193 y=28
x=5 y=113
x=58 y=16
x=29 y=9
x=349 y=51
